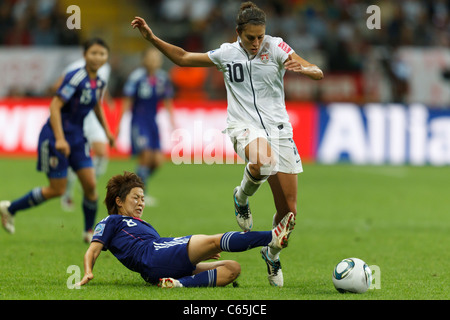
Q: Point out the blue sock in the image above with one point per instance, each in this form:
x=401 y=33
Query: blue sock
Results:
x=89 y=211
x=31 y=199
x=241 y=241
x=143 y=172
x=206 y=278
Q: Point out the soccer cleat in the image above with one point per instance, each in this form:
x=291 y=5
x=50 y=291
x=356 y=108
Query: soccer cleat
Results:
x=281 y=233
x=87 y=236
x=150 y=201
x=243 y=213
x=67 y=204
x=274 y=273
x=169 y=283
x=7 y=217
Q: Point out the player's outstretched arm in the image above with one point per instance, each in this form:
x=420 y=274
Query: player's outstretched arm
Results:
x=90 y=257
x=176 y=54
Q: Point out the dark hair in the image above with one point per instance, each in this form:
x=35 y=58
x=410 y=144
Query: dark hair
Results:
x=120 y=186
x=249 y=13
x=89 y=43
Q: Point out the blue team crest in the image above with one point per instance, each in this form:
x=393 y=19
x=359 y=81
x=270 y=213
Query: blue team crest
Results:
x=99 y=229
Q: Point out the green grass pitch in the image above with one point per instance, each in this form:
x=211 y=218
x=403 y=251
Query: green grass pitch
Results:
x=394 y=217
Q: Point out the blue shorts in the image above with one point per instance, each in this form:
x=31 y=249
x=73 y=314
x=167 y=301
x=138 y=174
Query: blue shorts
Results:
x=144 y=137
x=167 y=258
x=53 y=162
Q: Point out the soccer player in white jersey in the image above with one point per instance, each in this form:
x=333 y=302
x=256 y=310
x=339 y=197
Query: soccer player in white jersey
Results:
x=257 y=120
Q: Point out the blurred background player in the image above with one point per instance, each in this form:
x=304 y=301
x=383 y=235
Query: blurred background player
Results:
x=144 y=89
x=94 y=133
x=171 y=262
x=258 y=124
x=62 y=143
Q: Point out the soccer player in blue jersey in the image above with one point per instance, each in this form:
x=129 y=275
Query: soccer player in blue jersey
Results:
x=62 y=143
x=169 y=262
x=145 y=88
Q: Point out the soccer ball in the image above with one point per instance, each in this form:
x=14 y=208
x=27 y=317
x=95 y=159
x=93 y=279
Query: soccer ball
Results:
x=352 y=275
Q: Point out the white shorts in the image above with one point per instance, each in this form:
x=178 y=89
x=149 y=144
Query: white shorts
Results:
x=287 y=158
x=93 y=130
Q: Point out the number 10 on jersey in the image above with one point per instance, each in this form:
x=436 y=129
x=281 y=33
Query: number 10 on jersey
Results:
x=236 y=72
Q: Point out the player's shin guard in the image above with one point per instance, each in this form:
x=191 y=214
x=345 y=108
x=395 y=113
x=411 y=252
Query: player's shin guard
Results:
x=206 y=278
x=242 y=241
x=249 y=185
x=31 y=199
x=143 y=172
x=89 y=211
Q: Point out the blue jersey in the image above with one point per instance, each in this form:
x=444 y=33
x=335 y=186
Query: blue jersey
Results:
x=140 y=248
x=146 y=91
x=80 y=95
x=125 y=237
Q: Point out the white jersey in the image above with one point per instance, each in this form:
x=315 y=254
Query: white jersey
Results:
x=255 y=89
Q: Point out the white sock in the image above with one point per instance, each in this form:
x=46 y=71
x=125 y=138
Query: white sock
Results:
x=71 y=179
x=249 y=185
x=100 y=165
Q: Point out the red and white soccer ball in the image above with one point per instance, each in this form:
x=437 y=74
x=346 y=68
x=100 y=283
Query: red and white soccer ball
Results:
x=352 y=275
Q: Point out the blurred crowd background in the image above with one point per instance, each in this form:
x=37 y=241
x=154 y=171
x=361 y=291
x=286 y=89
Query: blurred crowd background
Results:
x=330 y=33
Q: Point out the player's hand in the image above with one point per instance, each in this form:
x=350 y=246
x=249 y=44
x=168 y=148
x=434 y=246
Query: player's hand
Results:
x=112 y=140
x=215 y=256
x=293 y=65
x=87 y=277
x=145 y=30
x=309 y=70
x=63 y=146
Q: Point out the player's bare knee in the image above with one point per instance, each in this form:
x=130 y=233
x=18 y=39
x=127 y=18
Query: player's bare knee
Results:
x=57 y=192
x=264 y=167
x=234 y=269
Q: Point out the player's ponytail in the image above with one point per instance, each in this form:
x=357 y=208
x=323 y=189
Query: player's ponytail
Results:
x=249 y=13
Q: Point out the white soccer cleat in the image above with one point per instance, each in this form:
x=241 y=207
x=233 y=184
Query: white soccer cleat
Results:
x=7 y=217
x=87 y=236
x=274 y=273
x=150 y=201
x=67 y=203
x=281 y=233
x=243 y=214
x=169 y=283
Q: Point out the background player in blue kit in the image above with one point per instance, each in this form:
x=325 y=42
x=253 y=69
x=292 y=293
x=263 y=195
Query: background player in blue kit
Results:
x=144 y=89
x=62 y=143
x=171 y=262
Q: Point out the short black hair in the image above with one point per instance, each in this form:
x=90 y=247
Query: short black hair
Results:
x=120 y=186
x=89 y=43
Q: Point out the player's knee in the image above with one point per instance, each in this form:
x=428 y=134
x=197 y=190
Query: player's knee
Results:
x=89 y=188
x=234 y=270
x=264 y=166
x=57 y=192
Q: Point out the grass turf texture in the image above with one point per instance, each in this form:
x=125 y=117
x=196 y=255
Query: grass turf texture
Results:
x=394 y=217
